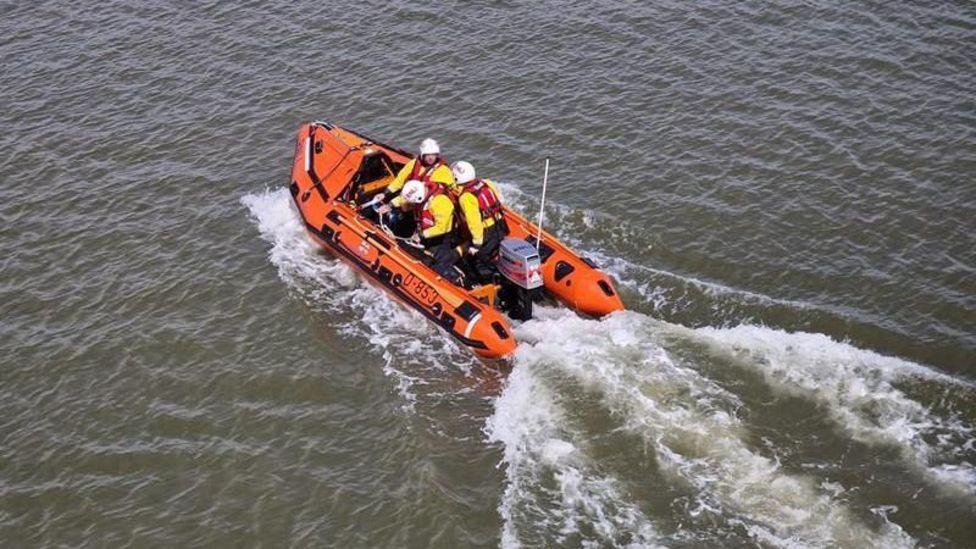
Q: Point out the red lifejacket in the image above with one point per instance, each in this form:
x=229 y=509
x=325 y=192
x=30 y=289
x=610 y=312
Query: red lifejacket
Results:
x=426 y=218
x=488 y=203
x=422 y=173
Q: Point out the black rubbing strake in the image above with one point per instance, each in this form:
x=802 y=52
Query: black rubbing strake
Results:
x=384 y=243
x=563 y=270
x=499 y=329
x=405 y=297
x=466 y=310
x=448 y=321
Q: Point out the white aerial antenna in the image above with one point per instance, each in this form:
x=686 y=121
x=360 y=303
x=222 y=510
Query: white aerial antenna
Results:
x=542 y=205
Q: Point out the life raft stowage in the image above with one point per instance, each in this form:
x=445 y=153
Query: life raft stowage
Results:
x=334 y=165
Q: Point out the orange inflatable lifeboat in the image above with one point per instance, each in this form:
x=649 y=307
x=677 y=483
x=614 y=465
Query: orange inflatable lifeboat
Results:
x=336 y=169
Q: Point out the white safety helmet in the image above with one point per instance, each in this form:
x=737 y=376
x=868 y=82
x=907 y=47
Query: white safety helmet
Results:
x=463 y=172
x=429 y=146
x=414 y=191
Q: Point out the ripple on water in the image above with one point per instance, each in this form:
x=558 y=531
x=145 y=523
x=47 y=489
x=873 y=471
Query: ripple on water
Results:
x=183 y=366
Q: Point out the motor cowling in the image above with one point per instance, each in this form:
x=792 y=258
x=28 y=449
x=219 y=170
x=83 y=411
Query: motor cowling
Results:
x=521 y=270
x=518 y=261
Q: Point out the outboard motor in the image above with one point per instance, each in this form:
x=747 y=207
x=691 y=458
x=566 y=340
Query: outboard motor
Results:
x=521 y=270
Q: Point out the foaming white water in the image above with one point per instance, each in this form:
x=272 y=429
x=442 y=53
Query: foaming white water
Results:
x=552 y=486
x=295 y=256
x=408 y=343
x=686 y=420
x=855 y=385
x=858 y=388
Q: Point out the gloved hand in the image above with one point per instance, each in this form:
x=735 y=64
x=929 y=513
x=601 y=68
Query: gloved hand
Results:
x=380 y=198
x=384 y=209
x=472 y=250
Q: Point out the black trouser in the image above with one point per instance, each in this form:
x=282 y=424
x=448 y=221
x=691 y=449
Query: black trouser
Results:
x=483 y=262
x=441 y=250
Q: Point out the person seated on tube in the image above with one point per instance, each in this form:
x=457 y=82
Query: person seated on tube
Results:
x=429 y=167
x=434 y=214
x=483 y=220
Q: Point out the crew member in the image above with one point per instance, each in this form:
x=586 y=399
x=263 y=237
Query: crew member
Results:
x=435 y=221
x=481 y=209
x=428 y=167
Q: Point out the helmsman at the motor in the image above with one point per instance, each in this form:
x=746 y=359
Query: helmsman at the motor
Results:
x=481 y=209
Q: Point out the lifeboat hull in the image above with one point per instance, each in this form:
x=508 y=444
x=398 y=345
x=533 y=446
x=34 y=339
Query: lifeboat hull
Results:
x=331 y=162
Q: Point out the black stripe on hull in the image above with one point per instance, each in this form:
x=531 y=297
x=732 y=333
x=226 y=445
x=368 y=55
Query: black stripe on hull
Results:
x=388 y=284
